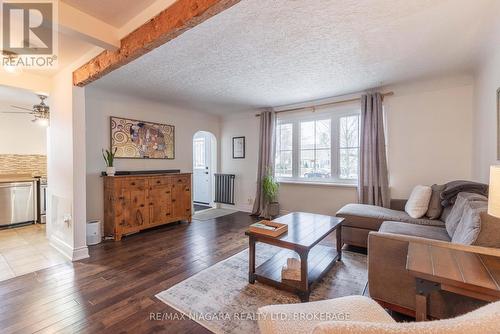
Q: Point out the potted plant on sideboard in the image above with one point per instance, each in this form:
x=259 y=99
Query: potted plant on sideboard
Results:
x=270 y=188
x=109 y=157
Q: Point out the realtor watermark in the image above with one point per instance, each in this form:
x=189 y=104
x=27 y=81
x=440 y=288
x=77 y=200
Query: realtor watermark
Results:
x=29 y=34
x=251 y=316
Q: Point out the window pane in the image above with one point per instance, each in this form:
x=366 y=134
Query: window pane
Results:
x=307 y=135
x=315 y=164
x=285 y=137
x=323 y=163
x=349 y=131
x=323 y=134
x=306 y=163
x=199 y=152
x=284 y=164
x=349 y=163
x=284 y=142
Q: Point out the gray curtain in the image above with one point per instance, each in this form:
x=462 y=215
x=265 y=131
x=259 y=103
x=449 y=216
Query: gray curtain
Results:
x=266 y=159
x=373 y=185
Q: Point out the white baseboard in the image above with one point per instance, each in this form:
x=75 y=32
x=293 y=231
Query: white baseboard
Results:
x=73 y=254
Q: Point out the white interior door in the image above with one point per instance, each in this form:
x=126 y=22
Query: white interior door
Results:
x=202 y=156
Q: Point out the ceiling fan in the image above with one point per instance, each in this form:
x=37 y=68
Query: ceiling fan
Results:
x=40 y=111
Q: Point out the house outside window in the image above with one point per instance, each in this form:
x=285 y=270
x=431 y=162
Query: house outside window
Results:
x=319 y=147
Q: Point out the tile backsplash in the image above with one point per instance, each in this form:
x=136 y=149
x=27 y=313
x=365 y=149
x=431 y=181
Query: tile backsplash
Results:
x=23 y=164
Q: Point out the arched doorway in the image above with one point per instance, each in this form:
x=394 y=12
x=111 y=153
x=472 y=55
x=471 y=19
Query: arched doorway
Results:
x=204 y=167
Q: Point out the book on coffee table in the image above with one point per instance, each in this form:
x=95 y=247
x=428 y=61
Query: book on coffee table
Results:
x=268 y=228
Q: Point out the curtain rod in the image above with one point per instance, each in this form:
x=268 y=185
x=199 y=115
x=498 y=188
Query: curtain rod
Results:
x=325 y=104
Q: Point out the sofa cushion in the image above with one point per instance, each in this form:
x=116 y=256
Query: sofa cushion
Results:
x=371 y=216
x=418 y=203
x=470 y=223
x=489 y=234
x=428 y=232
x=453 y=219
x=435 y=207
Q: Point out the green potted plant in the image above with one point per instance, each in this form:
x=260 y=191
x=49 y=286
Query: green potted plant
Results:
x=270 y=188
x=109 y=157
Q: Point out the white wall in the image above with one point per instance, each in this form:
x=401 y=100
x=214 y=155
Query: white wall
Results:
x=487 y=81
x=245 y=170
x=429 y=141
x=100 y=105
x=66 y=168
x=429 y=132
x=19 y=135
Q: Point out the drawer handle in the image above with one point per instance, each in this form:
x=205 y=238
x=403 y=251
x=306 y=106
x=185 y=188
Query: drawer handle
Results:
x=187 y=189
x=173 y=200
x=167 y=214
x=142 y=205
x=158 y=182
x=132 y=183
x=179 y=180
x=167 y=192
x=151 y=203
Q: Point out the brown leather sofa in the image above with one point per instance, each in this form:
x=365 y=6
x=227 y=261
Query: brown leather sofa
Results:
x=388 y=280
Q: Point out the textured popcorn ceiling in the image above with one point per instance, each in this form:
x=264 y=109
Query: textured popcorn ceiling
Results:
x=274 y=52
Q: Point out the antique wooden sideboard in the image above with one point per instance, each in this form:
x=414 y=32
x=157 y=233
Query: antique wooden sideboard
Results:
x=136 y=202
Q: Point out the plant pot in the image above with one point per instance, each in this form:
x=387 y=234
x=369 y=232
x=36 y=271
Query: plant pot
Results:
x=110 y=171
x=273 y=209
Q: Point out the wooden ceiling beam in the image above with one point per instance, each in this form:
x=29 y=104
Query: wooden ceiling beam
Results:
x=167 y=25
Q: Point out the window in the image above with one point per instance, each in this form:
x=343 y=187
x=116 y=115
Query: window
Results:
x=321 y=147
x=199 y=152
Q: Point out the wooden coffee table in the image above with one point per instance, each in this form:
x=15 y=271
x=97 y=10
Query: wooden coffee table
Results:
x=305 y=231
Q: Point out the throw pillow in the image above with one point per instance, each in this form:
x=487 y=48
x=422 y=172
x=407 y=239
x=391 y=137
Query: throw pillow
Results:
x=418 y=203
x=453 y=219
x=489 y=234
x=435 y=207
x=470 y=224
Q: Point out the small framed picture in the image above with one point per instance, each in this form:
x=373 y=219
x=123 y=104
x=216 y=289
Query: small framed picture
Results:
x=238 y=147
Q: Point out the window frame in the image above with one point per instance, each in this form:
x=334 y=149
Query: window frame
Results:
x=334 y=115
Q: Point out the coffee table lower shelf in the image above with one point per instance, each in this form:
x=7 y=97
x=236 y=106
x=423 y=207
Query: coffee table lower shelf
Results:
x=319 y=261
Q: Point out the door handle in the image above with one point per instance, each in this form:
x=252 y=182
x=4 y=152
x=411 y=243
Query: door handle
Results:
x=206 y=173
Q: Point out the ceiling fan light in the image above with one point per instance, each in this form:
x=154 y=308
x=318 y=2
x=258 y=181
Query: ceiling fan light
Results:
x=43 y=121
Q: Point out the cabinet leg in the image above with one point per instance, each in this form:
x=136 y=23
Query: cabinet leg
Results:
x=420 y=307
x=118 y=237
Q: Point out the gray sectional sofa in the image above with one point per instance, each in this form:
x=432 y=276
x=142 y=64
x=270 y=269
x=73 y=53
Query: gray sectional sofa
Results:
x=388 y=232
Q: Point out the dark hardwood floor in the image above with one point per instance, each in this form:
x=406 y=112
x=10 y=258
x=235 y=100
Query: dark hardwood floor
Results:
x=114 y=291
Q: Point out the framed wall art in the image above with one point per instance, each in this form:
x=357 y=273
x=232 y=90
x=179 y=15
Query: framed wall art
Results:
x=238 y=147
x=135 y=139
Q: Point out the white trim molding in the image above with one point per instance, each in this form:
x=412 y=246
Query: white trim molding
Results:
x=73 y=254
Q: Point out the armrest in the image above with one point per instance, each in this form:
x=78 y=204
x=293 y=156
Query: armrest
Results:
x=438 y=243
x=398 y=204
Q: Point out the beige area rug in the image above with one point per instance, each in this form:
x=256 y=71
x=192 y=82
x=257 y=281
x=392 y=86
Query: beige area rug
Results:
x=212 y=213
x=221 y=299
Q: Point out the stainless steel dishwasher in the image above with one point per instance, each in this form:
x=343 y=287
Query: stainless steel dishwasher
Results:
x=17 y=203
